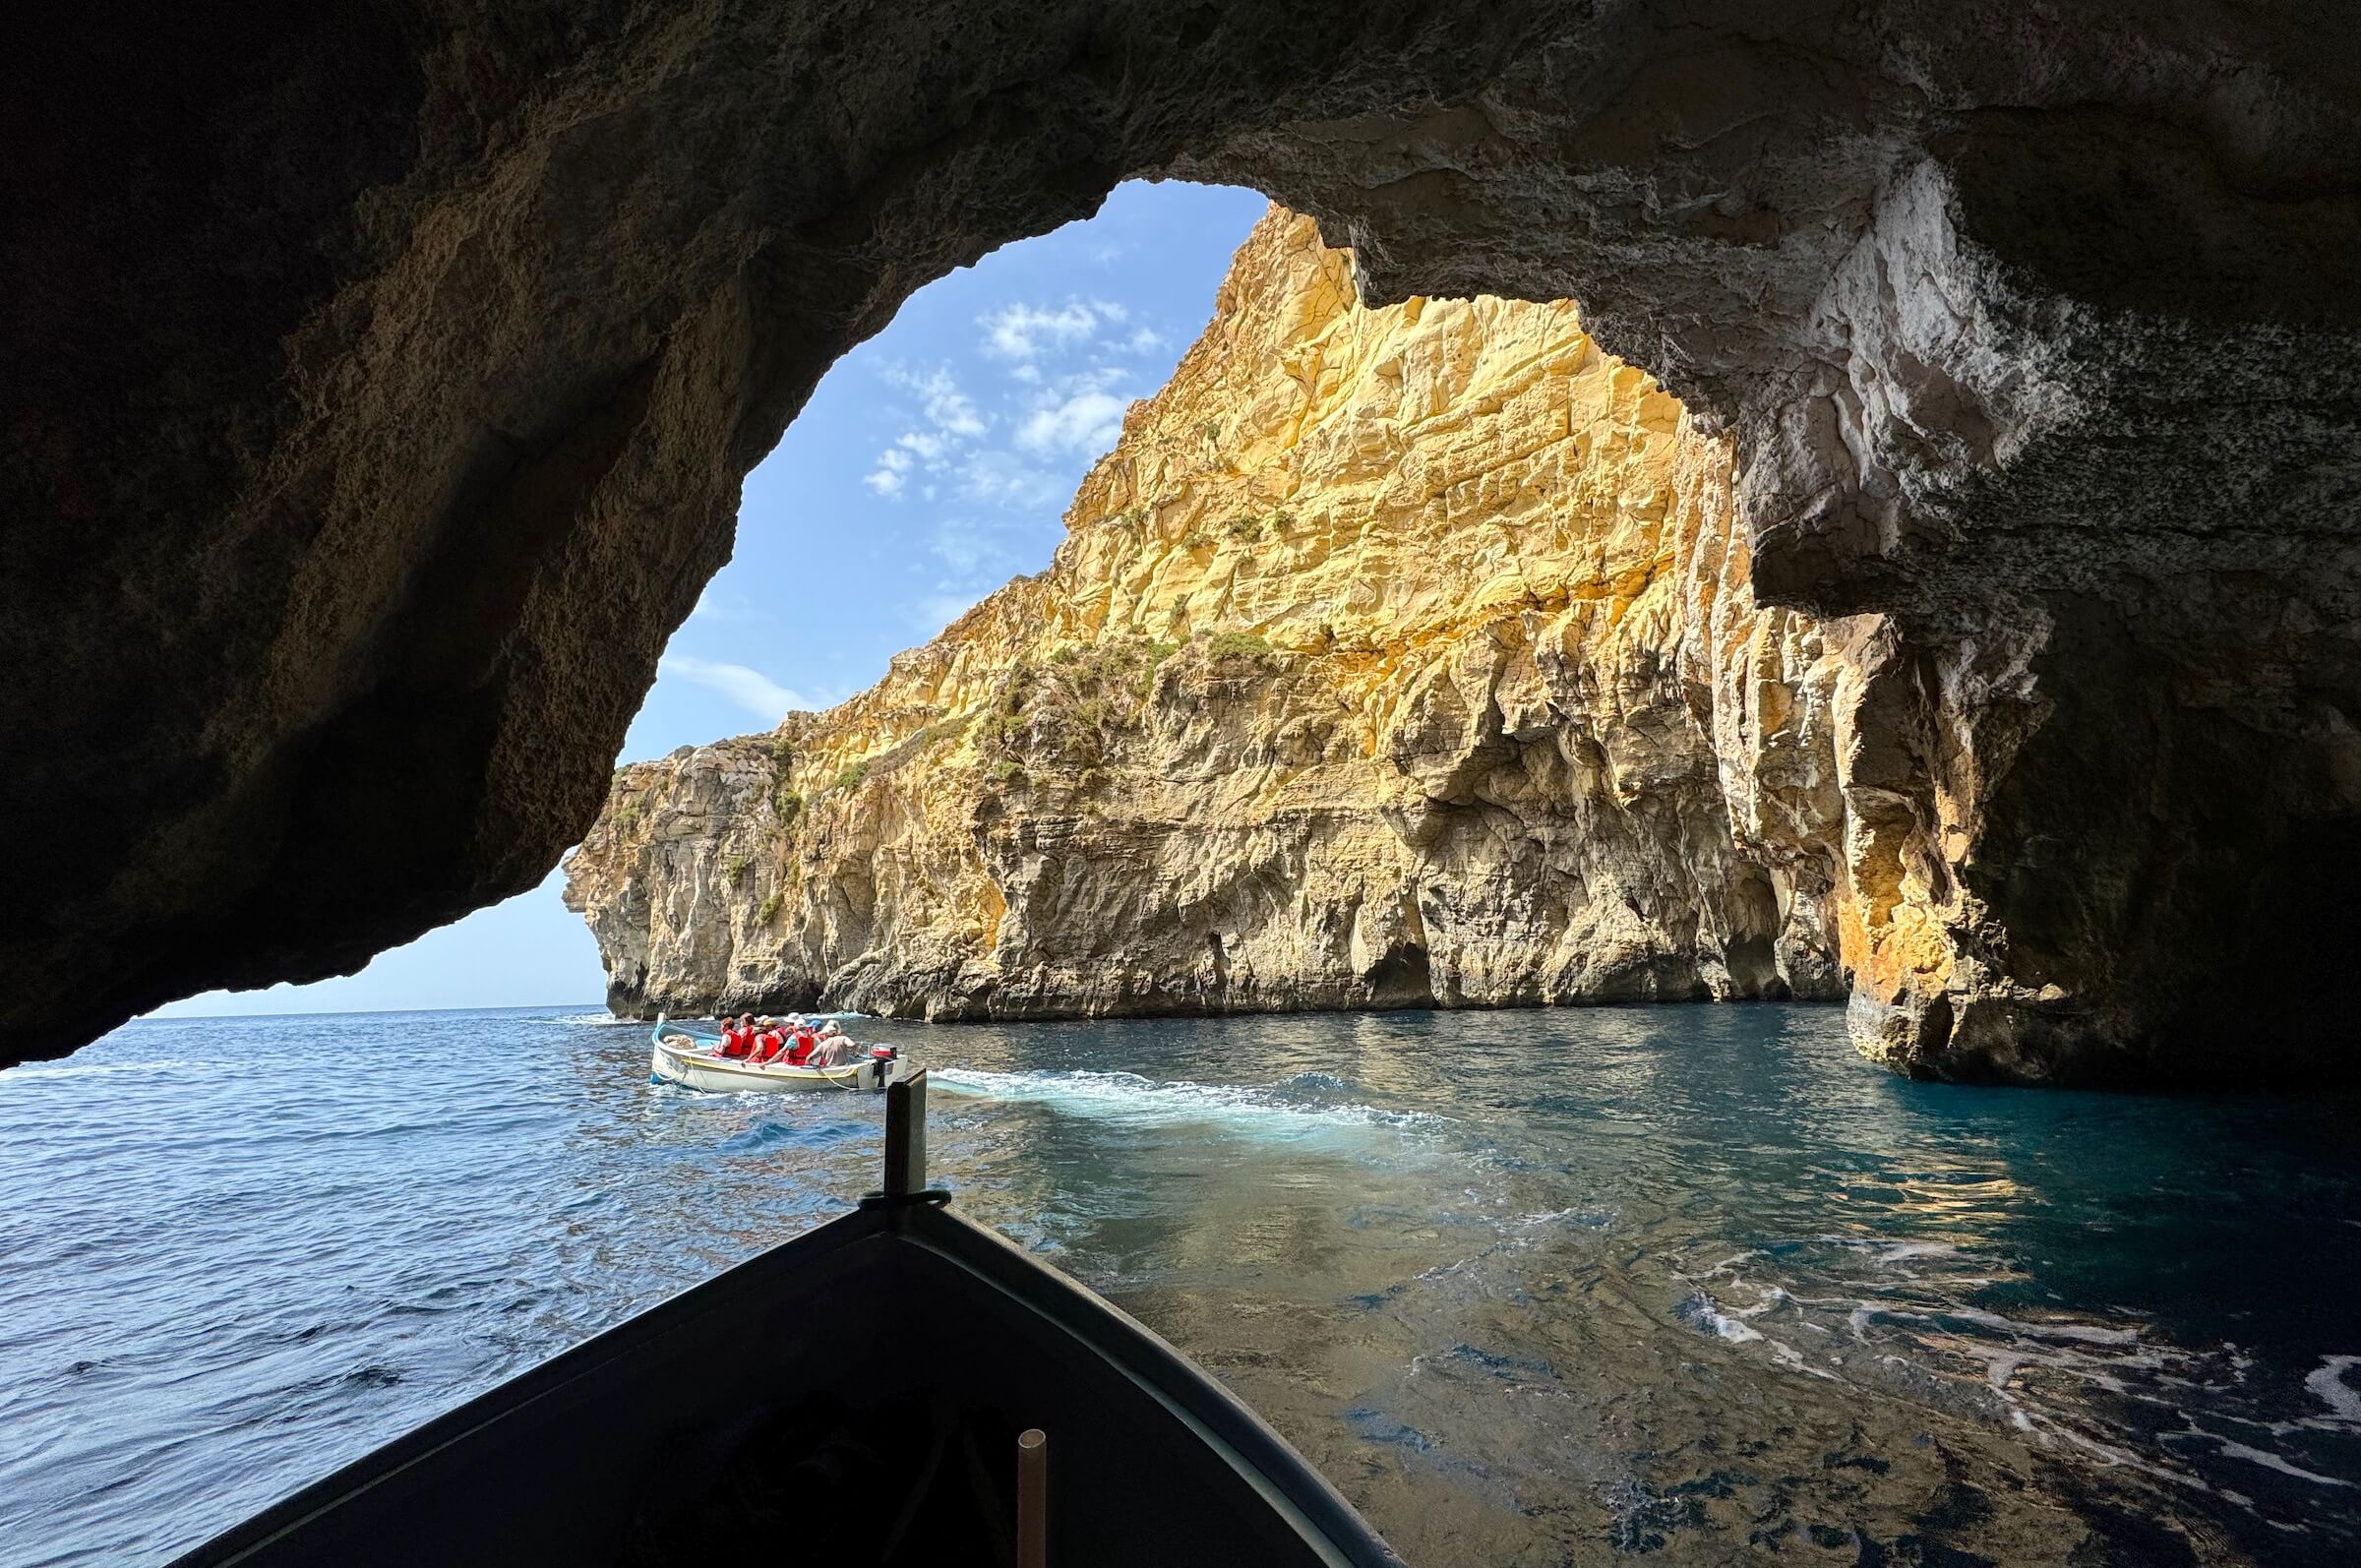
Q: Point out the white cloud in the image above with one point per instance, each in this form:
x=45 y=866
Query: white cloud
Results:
x=1088 y=422
x=1021 y=456
x=748 y=687
x=1145 y=339
x=1022 y=332
x=953 y=421
x=945 y=405
x=892 y=472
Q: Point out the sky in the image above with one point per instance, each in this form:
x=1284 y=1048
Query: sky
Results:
x=932 y=464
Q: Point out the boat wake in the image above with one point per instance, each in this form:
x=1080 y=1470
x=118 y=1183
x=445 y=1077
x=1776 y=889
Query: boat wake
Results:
x=1298 y=1106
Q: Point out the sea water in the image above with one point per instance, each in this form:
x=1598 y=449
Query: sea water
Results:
x=1533 y=1288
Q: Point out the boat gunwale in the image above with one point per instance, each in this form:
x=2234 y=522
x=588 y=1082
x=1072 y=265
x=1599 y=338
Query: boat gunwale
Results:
x=1261 y=1457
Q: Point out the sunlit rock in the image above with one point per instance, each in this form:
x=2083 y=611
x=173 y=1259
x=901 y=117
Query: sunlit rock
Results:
x=1393 y=657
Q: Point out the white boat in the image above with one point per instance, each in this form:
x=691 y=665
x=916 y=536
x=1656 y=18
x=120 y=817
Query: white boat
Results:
x=679 y=1054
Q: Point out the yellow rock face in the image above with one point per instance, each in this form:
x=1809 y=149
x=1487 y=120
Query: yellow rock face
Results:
x=1392 y=656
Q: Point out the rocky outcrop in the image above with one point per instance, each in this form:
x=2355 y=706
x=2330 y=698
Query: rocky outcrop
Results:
x=377 y=380
x=1393 y=657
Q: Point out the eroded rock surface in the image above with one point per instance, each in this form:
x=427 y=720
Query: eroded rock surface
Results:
x=377 y=380
x=1393 y=656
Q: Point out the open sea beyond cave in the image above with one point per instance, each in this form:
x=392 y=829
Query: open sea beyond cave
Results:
x=1690 y=1283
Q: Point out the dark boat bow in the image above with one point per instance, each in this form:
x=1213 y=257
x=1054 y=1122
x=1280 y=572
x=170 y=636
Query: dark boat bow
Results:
x=852 y=1395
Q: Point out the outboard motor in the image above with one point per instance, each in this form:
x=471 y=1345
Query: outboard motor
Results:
x=882 y=1060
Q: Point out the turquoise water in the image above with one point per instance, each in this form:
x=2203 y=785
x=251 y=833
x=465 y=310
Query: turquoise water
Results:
x=1693 y=1284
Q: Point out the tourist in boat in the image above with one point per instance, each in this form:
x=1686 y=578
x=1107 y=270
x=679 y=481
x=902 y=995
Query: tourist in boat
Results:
x=738 y=1039
x=770 y=1041
x=800 y=1054
x=834 y=1048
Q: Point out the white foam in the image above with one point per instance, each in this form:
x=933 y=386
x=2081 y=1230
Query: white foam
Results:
x=1128 y=1097
x=2269 y=1461
x=1704 y=1311
x=1732 y=1329
x=1581 y=1216
x=1792 y=1359
x=2327 y=1381
x=2080 y=1333
x=1727 y=1265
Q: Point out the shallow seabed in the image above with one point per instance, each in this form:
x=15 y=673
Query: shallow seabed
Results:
x=1538 y=1288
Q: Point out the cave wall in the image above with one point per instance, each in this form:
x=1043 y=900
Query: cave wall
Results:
x=379 y=379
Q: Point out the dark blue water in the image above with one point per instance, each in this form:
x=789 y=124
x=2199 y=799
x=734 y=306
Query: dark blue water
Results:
x=1688 y=1282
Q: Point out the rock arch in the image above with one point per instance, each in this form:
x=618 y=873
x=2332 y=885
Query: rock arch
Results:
x=379 y=379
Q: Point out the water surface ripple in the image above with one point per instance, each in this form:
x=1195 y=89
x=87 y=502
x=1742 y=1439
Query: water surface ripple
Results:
x=1543 y=1288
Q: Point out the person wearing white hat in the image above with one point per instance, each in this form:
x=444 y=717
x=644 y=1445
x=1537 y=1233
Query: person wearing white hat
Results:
x=836 y=1048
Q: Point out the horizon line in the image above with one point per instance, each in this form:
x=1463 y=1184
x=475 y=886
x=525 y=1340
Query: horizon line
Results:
x=363 y=1012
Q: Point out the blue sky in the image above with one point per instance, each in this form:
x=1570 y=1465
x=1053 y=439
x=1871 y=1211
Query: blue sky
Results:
x=932 y=464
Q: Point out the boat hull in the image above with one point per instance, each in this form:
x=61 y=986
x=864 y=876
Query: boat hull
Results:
x=700 y=1069
x=883 y=1362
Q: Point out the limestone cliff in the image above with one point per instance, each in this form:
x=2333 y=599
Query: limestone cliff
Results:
x=1393 y=656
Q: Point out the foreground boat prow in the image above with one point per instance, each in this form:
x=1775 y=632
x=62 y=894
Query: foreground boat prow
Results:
x=854 y=1396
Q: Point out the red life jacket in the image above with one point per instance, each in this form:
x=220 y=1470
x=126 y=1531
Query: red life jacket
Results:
x=737 y=1043
x=767 y=1044
x=801 y=1056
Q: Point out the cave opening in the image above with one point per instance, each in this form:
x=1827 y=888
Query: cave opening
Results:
x=2034 y=365
x=931 y=465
